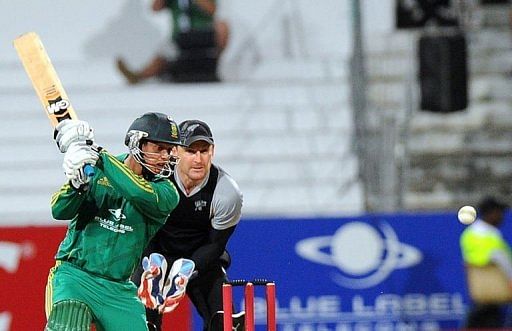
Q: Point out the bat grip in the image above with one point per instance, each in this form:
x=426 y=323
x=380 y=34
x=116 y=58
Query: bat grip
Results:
x=88 y=170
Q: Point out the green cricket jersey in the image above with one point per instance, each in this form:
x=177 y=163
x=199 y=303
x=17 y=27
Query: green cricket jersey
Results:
x=114 y=220
x=197 y=19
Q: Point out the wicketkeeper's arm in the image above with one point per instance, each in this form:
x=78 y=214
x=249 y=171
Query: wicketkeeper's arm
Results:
x=209 y=254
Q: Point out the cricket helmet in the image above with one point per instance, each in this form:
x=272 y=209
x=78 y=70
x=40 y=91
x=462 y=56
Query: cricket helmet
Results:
x=154 y=127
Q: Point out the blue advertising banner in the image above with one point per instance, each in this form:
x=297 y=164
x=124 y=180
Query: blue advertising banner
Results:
x=375 y=272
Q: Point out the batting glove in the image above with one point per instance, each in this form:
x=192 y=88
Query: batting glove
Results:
x=76 y=157
x=69 y=131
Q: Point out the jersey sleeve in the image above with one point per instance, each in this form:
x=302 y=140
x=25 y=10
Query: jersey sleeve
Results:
x=66 y=202
x=154 y=199
x=502 y=259
x=226 y=210
x=226 y=203
x=208 y=255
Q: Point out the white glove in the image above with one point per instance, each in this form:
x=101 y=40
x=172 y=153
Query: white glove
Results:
x=69 y=131
x=79 y=154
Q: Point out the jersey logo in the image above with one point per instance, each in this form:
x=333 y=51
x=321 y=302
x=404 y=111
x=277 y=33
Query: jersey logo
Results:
x=117 y=213
x=114 y=225
x=104 y=181
x=57 y=106
x=199 y=205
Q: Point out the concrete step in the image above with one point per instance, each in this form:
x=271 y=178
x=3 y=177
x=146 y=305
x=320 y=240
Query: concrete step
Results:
x=483 y=89
x=489 y=52
x=302 y=69
x=73 y=74
x=494 y=16
x=270 y=136
x=189 y=96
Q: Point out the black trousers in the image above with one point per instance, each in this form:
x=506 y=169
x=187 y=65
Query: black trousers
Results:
x=486 y=316
x=205 y=292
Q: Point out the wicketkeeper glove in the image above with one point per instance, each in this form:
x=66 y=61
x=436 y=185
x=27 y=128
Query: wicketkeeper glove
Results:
x=69 y=131
x=76 y=157
x=151 y=279
x=160 y=291
x=176 y=285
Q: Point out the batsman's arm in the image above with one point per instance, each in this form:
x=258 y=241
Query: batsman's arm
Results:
x=66 y=203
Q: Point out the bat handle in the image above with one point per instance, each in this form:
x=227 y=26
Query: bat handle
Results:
x=89 y=170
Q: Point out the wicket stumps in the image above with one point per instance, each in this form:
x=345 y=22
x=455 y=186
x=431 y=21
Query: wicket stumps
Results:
x=227 y=303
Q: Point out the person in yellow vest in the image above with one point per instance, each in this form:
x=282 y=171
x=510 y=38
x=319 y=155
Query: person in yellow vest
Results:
x=482 y=244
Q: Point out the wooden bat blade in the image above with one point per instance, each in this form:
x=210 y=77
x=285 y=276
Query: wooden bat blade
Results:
x=44 y=78
x=47 y=84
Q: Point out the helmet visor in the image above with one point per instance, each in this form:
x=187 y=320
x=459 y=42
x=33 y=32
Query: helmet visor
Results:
x=158 y=158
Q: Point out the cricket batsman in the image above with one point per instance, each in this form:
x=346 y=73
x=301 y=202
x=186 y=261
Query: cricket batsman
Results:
x=113 y=216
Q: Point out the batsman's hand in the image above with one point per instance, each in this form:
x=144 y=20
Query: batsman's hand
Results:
x=70 y=131
x=79 y=154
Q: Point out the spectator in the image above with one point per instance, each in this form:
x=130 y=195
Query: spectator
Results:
x=200 y=226
x=482 y=246
x=420 y=13
x=198 y=38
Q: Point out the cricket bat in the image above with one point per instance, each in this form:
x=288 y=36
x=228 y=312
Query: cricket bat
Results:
x=46 y=82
